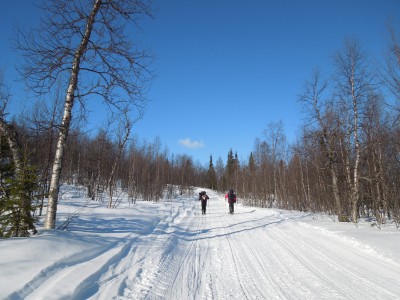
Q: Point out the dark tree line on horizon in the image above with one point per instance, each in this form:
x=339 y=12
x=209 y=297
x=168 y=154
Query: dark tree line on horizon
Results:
x=345 y=162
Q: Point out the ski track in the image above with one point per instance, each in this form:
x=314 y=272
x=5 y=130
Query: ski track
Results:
x=348 y=278
x=253 y=254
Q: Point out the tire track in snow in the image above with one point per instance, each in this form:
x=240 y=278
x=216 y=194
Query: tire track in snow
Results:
x=194 y=268
x=244 y=271
x=111 y=264
x=161 y=279
x=273 y=288
x=113 y=280
x=211 y=281
x=263 y=275
x=52 y=275
x=347 y=279
x=274 y=263
x=245 y=277
x=135 y=271
x=177 y=264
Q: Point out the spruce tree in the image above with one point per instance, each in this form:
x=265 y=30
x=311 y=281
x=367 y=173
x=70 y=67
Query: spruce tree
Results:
x=230 y=170
x=212 y=176
x=252 y=178
x=17 y=196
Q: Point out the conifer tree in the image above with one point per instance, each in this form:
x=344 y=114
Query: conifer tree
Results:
x=212 y=176
x=230 y=170
x=252 y=174
x=17 y=196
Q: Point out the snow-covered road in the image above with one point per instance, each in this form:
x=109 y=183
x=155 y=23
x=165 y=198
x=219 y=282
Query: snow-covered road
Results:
x=259 y=254
x=174 y=252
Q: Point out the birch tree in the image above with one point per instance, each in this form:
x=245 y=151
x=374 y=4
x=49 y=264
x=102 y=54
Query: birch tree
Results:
x=85 y=45
x=124 y=131
x=318 y=115
x=354 y=84
x=276 y=141
x=391 y=75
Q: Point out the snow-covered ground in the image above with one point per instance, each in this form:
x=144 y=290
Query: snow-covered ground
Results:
x=169 y=250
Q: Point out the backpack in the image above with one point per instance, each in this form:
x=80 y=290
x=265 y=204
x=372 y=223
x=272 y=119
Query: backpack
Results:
x=231 y=195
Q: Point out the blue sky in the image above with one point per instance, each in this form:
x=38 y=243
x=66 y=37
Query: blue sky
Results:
x=226 y=69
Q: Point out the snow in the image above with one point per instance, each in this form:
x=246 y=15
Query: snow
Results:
x=169 y=250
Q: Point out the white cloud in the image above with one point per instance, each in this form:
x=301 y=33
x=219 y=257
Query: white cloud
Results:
x=188 y=143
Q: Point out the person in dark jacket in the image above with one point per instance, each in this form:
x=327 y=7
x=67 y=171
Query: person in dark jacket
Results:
x=203 y=197
x=231 y=200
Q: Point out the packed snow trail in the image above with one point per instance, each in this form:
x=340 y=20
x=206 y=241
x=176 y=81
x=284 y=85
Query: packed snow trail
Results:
x=253 y=254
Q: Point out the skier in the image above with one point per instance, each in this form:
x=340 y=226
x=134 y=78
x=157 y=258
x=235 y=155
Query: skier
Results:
x=203 y=197
x=231 y=196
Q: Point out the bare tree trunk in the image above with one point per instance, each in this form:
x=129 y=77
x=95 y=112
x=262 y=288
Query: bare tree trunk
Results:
x=375 y=179
x=121 y=147
x=345 y=156
x=305 y=183
x=335 y=190
x=381 y=179
x=65 y=125
x=9 y=132
x=332 y=165
x=355 y=83
x=326 y=119
x=356 y=177
x=46 y=170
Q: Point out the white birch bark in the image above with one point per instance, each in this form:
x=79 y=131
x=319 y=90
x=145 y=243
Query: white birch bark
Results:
x=9 y=132
x=356 y=178
x=65 y=125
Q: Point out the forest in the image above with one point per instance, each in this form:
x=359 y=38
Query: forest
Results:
x=345 y=162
